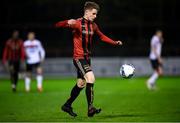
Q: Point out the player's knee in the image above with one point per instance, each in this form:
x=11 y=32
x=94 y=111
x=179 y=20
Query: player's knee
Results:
x=39 y=71
x=160 y=73
x=81 y=83
x=90 y=77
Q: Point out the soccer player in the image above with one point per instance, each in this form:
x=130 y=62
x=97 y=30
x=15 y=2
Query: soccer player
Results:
x=155 y=58
x=83 y=30
x=12 y=56
x=35 y=55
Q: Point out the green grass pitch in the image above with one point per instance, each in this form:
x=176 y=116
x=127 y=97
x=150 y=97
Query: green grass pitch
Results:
x=121 y=100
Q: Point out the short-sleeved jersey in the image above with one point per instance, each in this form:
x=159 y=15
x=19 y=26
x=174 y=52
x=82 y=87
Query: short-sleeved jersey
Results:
x=83 y=30
x=34 y=51
x=155 y=44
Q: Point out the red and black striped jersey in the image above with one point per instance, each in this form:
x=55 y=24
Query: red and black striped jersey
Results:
x=83 y=30
x=13 y=51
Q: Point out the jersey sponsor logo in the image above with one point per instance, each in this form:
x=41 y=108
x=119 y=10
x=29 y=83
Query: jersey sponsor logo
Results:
x=86 y=32
x=15 y=47
x=31 y=48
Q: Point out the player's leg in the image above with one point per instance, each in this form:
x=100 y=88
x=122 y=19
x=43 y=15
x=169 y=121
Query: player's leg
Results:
x=152 y=80
x=74 y=94
x=84 y=66
x=16 y=66
x=75 y=91
x=90 y=79
x=160 y=70
x=12 y=78
x=39 y=77
x=28 y=77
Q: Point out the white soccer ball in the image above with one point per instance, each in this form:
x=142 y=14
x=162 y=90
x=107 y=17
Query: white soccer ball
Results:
x=127 y=70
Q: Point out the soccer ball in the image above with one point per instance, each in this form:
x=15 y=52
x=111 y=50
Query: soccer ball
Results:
x=127 y=70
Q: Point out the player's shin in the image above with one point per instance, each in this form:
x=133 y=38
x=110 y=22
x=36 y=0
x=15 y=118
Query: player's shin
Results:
x=39 y=79
x=74 y=94
x=153 y=78
x=15 y=78
x=13 y=81
x=12 y=78
x=27 y=84
x=89 y=94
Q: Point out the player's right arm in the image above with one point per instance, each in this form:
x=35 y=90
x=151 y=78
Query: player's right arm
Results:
x=72 y=23
x=5 y=56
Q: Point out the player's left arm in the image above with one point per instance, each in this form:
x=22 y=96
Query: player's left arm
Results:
x=71 y=23
x=42 y=52
x=105 y=38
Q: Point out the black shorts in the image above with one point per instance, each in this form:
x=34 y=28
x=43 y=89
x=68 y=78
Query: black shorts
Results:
x=155 y=64
x=30 y=67
x=83 y=66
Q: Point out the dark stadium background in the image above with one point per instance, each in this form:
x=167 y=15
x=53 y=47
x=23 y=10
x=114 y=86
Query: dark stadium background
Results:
x=132 y=21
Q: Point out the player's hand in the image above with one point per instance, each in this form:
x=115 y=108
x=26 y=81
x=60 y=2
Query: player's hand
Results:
x=71 y=22
x=119 y=42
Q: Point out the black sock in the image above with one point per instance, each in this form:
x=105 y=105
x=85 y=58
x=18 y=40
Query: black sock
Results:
x=74 y=94
x=89 y=94
x=12 y=78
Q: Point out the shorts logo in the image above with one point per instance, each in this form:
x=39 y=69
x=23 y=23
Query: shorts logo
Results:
x=86 y=67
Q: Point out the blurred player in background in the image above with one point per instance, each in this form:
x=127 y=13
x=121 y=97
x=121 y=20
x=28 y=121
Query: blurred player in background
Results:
x=12 y=55
x=155 y=58
x=35 y=55
x=83 y=30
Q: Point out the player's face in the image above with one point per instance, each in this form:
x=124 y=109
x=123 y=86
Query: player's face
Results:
x=91 y=14
x=160 y=34
x=31 y=36
x=15 y=34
